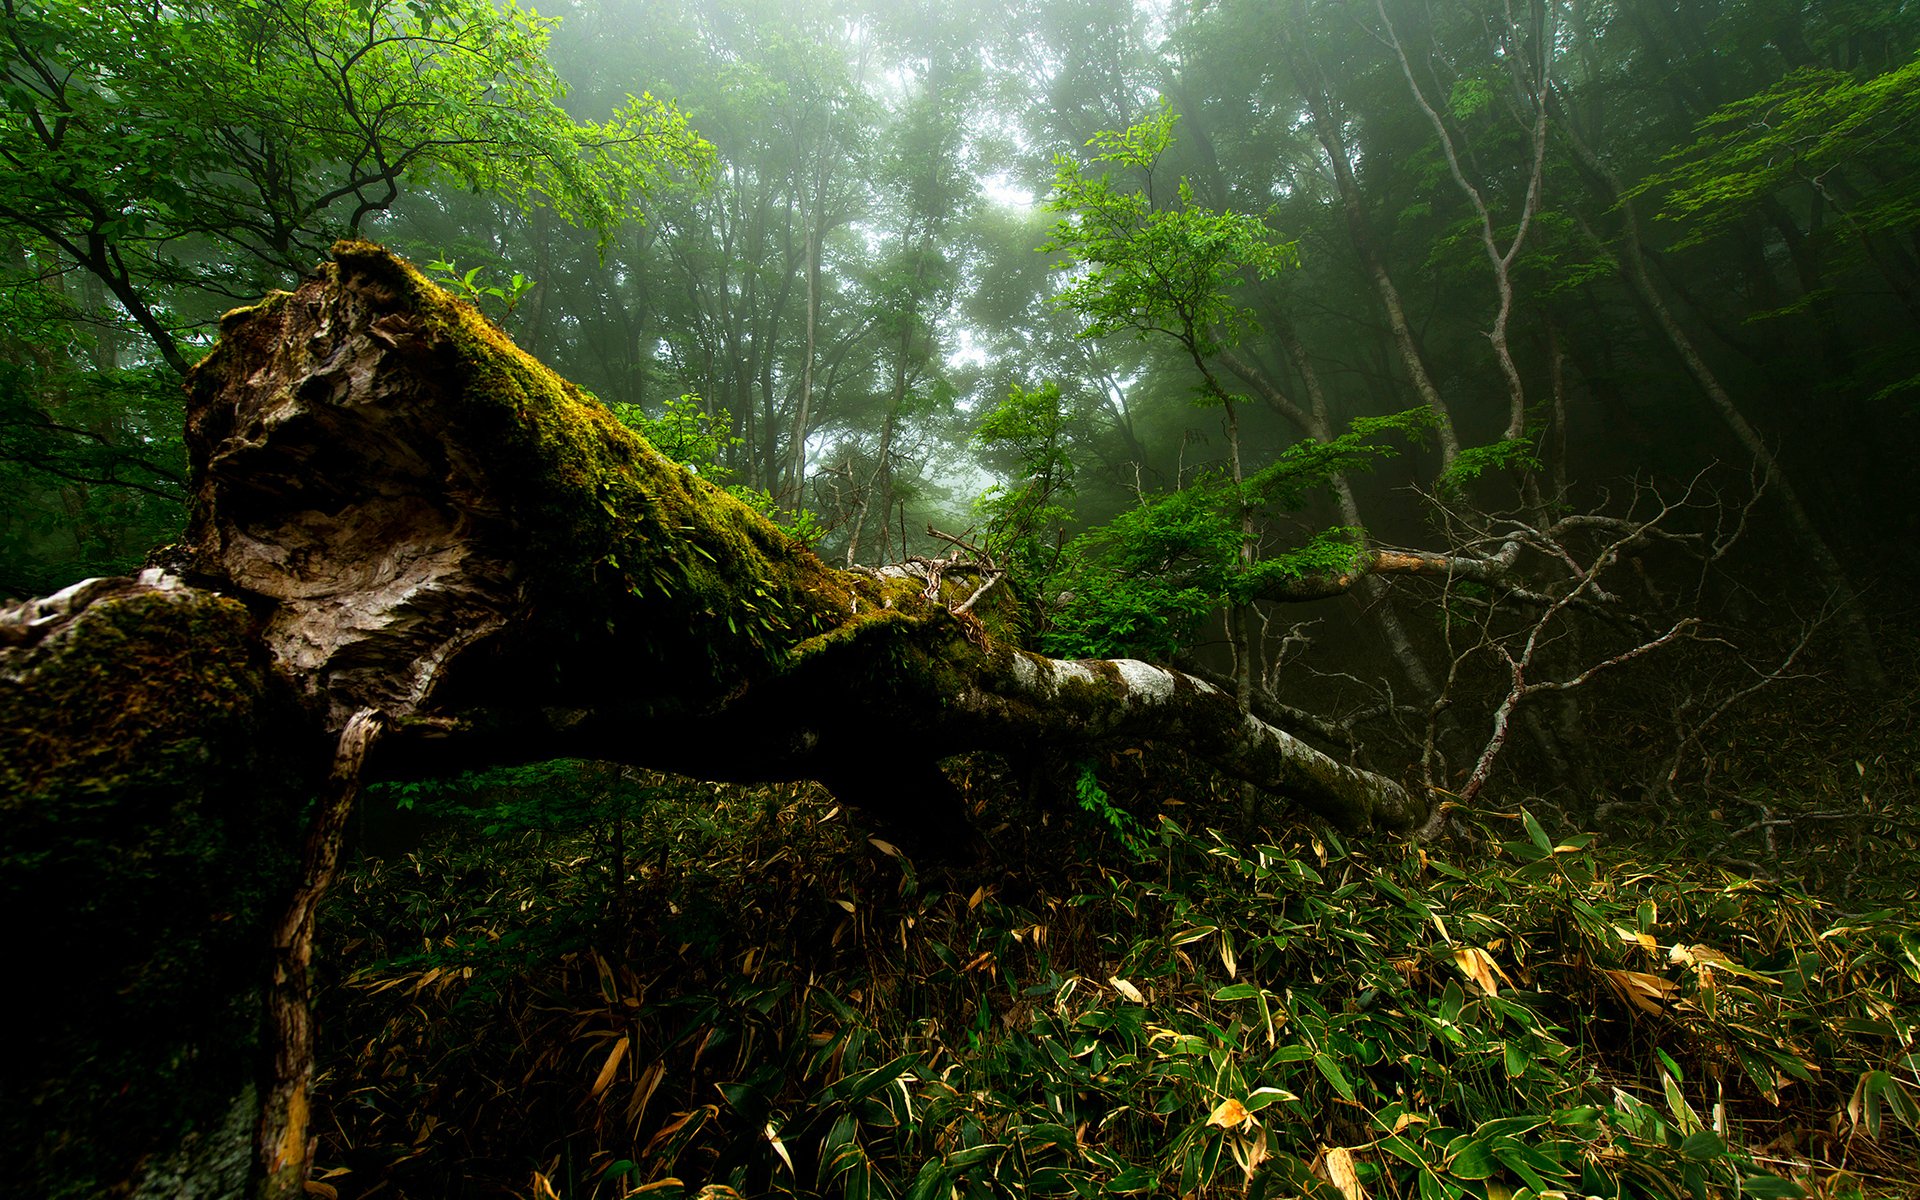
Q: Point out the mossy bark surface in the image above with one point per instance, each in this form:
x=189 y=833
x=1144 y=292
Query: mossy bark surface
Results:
x=152 y=777
x=441 y=529
x=400 y=522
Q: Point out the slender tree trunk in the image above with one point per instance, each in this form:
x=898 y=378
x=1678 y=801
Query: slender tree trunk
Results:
x=1319 y=110
x=1499 y=260
x=1863 y=659
x=283 y=1148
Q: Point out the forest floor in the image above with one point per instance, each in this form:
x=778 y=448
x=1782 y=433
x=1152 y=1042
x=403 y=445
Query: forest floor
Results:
x=713 y=991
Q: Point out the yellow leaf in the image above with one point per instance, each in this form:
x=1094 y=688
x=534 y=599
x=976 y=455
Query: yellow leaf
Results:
x=1643 y=940
x=1476 y=964
x=1230 y=1114
x=886 y=848
x=643 y=1090
x=1250 y=1152
x=1338 y=1165
x=1649 y=993
x=779 y=1147
x=608 y=1068
x=979 y=894
x=1127 y=989
x=1696 y=955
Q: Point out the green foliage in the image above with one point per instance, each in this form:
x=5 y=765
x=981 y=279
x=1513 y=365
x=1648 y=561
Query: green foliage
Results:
x=1311 y=463
x=91 y=459
x=141 y=135
x=1471 y=96
x=687 y=432
x=1095 y=801
x=1538 y=1016
x=1475 y=461
x=1138 y=263
x=1024 y=519
x=560 y=795
x=1141 y=584
x=1798 y=132
x=701 y=439
x=475 y=286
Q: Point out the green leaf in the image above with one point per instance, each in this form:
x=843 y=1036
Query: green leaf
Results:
x=1704 y=1146
x=973 y=1156
x=1535 y=833
x=931 y=1183
x=1471 y=1158
x=1516 y=1059
x=1334 y=1075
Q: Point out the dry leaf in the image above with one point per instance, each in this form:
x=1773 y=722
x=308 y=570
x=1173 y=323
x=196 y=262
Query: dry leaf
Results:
x=643 y=1090
x=1695 y=955
x=1127 y=989
x=886 y=848
x=1649 y=993
x=1476 y=964
x=1230 y=1114
x=779 y=1147
x=608 y=1068
x=1250 y=1152
x=1338 y=1164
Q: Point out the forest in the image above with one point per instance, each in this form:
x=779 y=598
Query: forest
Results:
x=879 y=598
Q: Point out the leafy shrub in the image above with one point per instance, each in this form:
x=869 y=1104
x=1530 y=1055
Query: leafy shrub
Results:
x=797 y=1010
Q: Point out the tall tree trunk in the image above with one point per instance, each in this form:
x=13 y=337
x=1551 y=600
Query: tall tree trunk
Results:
x=1313 y=88
x=1862 y=656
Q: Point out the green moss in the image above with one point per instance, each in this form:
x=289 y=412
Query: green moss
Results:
x=656 y=565
x=149 y=814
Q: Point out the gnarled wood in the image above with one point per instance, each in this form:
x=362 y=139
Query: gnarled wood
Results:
x=439 y=529
x=403 y=523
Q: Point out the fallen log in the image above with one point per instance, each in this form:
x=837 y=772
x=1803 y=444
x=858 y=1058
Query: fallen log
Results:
x=412 y=547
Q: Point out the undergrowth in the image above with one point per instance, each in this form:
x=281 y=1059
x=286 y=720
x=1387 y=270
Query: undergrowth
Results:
x=767 y=1002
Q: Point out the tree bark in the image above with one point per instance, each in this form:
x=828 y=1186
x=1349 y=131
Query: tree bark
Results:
x=402 y=525
x=1863 y=665
x=154 y=765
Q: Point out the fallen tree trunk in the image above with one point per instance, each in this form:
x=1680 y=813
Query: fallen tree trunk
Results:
x=429 y=551
x=434 y=527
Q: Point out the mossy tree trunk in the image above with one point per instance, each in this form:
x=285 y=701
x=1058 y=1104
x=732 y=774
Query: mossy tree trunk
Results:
x=409 y=528
x=154 y=765
x=435 y=527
